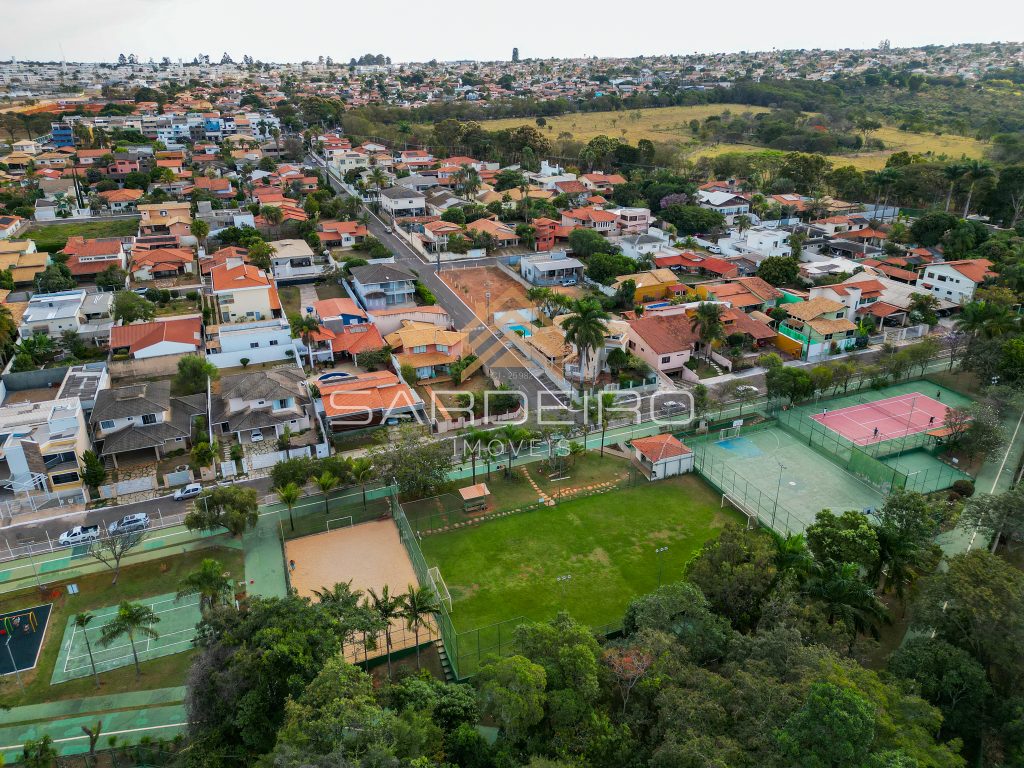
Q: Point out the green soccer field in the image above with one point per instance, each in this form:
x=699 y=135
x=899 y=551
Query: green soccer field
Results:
x=509 y=568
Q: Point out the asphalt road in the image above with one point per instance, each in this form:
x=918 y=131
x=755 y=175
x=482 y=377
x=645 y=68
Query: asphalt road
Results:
x=36 y=531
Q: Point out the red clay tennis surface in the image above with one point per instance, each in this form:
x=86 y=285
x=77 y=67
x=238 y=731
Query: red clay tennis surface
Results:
x=886 y=419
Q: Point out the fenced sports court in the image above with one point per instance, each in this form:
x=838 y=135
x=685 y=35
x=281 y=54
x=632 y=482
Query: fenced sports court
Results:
x=903 y=455
x=370 y=555
x=177 y=628
x=770 y=474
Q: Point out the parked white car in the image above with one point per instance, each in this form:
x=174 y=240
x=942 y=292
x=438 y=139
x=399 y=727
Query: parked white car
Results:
x=80 y=534
x=256 y=436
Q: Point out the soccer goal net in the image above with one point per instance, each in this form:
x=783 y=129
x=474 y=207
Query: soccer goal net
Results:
x=728 y=433
x=440 y=588
x=339 y=522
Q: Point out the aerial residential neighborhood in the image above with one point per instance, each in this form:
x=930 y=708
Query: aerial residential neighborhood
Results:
x=653 y=398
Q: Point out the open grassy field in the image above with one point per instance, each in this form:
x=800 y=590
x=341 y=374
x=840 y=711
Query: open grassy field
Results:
x=507 y=568
x=670 y=125
x=50 y=239
x=96 y=591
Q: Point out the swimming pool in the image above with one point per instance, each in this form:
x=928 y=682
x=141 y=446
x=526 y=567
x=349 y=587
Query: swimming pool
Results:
x=334 y=377
x=522 y=330
x=658 y=304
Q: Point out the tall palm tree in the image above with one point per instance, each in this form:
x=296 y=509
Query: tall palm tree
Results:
x=477 y=440
x=846 y=599
x=986 y=318
x=707 y=324
x=418 y=603
x=81 y=623
x=273 y=216
x=132 y=620
x=900 y=561
x=387 y=607
x=467 y=179
x=343 y=603
x=975 y=171
x=326 y=482
x=209 y=582
x=377 y=178
x=972 y=318
x=361 y=471
x=792 y=556
x=305 y=326
x=953 y=173
x=290 y=495
x=605 y=405
x=585 y=328
x=513 y=435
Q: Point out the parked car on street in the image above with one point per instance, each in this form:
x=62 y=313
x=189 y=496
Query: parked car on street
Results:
x=189 y=491
x=129 y=524
x=80 y=534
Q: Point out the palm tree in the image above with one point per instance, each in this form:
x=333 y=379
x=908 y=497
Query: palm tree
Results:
x=742 y=223
x=209 y=582
x=387 y=609
x=81 y=623
x=604 y=414
x=707 y=323
x=305 y=326
x=378 y=178
x=953 y=173
x=326 y=482
x=900 y=560
x=792 y=556
x=418 y=603
x=467 y=179
x=361 y=471
x=343 y=603
x=975 y=171
x=847 y=599
x=477 y=439
x=200 y=229
x=986 y=318
x=585 y=328
x=132 y=620
x=290 y=495
x=972 y=318
x=513 y=435
x=273 y=216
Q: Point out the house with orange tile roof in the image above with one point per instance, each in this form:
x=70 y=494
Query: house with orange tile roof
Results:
x=162 y=263
x=221 y=256
x=748 y=294
x=426 y=348
x=653 y=285
x=665 y=342
x=343 y=310
x=336 y=341
x=119 y=200
x=140 y=341
x=368 y=400
x=341 y=234
x=218 y=187
x=87 y=258
x=604 y=183
x=661 y=456
x=590 y=218
x=503 y=234
x=244 y=293
x=955 y=281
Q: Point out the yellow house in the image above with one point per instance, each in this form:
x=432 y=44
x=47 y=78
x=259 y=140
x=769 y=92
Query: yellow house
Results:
x=653 y=285
x=165 y=219
x=244 y=293
x=41 y=445
x=21 y=257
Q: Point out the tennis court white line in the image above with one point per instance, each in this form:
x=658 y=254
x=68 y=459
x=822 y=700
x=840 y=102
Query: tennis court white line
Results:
x=129 y=657
x=117 y=648
x=105 y=733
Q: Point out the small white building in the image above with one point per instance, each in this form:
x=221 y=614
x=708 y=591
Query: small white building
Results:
x=955 y=281
x=403 y=201
x=662 y=456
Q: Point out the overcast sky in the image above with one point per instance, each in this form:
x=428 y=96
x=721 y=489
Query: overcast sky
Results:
x=297 y=30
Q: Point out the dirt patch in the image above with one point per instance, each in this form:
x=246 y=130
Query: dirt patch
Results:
x=600 y=556
x=473 y=286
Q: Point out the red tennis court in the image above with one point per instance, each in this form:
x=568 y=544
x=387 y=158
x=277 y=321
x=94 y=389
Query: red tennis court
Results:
x=886 y=419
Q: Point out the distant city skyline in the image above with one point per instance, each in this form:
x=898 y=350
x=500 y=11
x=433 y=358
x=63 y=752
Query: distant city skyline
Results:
x=458 y=30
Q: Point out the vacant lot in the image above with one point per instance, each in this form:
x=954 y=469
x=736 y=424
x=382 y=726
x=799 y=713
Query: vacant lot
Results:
x=487 y=289
x=671 y=125
x=507 y=568
x=50 y=239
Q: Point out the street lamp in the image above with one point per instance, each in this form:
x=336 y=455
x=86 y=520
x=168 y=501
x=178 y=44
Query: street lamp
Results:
x=14 y=666
x=562 y=581
x=778 y=490
x=661 y=561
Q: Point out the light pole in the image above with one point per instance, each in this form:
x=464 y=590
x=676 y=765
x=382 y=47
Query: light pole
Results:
x=10 y=654
x=778 y=490
x=562 y=581
x=661 y=561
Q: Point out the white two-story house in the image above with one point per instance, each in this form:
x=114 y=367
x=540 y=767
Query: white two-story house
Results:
x=383 y=286
x=955 y=281
x=402 y=201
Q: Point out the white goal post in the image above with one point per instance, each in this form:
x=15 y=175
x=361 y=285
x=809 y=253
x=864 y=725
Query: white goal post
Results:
x=339 y=522
x=726 y=433
x=440 y=588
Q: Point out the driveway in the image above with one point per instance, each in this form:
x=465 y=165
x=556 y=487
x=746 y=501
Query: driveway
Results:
x=307 y=296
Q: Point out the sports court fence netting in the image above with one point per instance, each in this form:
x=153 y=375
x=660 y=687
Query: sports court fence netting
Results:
x=344 y=507
x=877 y=464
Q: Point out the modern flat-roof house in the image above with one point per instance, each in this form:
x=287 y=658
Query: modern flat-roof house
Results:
x=87 y=314
x=268 y=400
x=401 y=201
x=144 y=418
x=294 y=260
x=40 y=446
x=383 y=286
x=554 y=268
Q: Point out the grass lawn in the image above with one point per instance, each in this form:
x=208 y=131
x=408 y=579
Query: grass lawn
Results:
x=506 y=568
x=670 y=125
x=136 y=582
x=330 y=290
x=289 y=299
x=50 y=239
x=178 y=307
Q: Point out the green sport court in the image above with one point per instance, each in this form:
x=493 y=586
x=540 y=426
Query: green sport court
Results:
x=177 y=628
x=769 y=472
